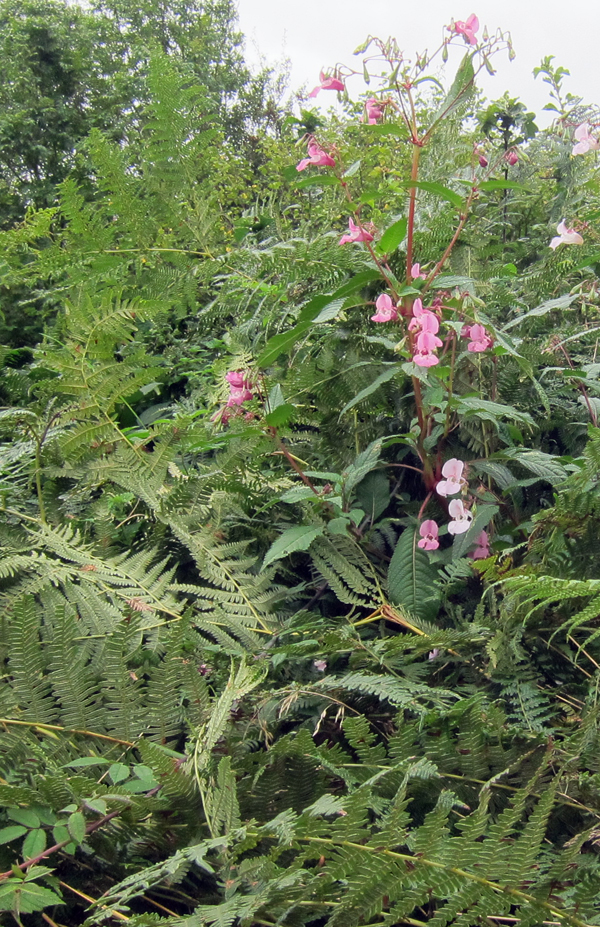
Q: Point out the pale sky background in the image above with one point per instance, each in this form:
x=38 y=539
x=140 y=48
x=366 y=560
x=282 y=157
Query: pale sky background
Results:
x=319 y=33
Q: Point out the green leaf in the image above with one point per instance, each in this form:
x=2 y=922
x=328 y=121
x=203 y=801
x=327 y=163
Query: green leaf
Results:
x=34 y=843
x=490 y=411
x=318 y=180
x=24 y=816
x=461 y=88
x=364 y=463
x=26 y=897
x=377 y=382
x=412 y=578
x=373 y=494
x=462 y=542
x=386 y=128
x=351 y=286
x=298 y=538
x=86 y=761
x=393 y=236
x=7 y=834
x=551 y=305
x=545 y=466
x=353 y=169
x=118 y=772
x=280 y=344
x=439 y=189
x=76 y=826
x=281 y=415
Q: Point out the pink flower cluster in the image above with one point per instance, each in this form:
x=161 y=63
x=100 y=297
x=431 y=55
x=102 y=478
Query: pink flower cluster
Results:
x=460 y=517
x=467 y=29
x=355 y=233
x=240 y=388
x=479 y=338
x=426 y=324
x=316 y=156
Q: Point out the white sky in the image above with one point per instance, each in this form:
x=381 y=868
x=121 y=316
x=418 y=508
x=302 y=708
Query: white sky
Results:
x=317 y=33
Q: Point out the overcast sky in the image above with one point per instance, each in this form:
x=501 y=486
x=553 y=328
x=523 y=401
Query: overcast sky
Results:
x=317 y=33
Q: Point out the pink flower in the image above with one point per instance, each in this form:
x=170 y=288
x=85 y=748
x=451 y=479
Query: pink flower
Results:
x=454 y=482
x=415 y=272
x=482 y=549
x=356 y=233
x=427 y=342
x=585 y=141
x=565 y=236
x=386 y=311
x=461 y=517
x=424 y=358
x=433 y=653
x=467 y=30
x=429 y=535
x=375 y=111
x=480 y=340
x=316 y=156
x=327 y=83
x=423 y=320
x=511 y=157
x=483 y=161
x=320 y=665
x=239 y=388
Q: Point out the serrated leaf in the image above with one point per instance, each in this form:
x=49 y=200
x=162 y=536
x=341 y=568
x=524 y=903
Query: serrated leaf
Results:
x=412 y=578
x=462 y=86
x=365 y=462
x=293 y=539
x=26 y=897
x=377 y=382
x=34 y=843
x=86 y=761
x=24 y=816
x=545 y=466
x=7 y=834
x=118 y=772
x=561 y=302
x=76 y=826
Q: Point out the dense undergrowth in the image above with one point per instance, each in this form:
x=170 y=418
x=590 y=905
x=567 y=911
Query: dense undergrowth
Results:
x=300 y=555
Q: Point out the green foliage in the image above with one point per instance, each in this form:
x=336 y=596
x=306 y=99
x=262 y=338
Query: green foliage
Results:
x=258 y=663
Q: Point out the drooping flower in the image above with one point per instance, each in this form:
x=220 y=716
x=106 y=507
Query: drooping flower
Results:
x=429 y=535
x=585 y=140
x=454 y=479
x=461 y=517
x=239 y=388
x=480 y=340
x=423 y=320
x=467 y=29
x=482 y=547
x=483 y=161
x=355 y=233
x=375 y=111
x=511 y=157
x=316 y=156
x=327 y=83
x=415 y=272
x=320 y=665
x=565 y=236
x=386 y=311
